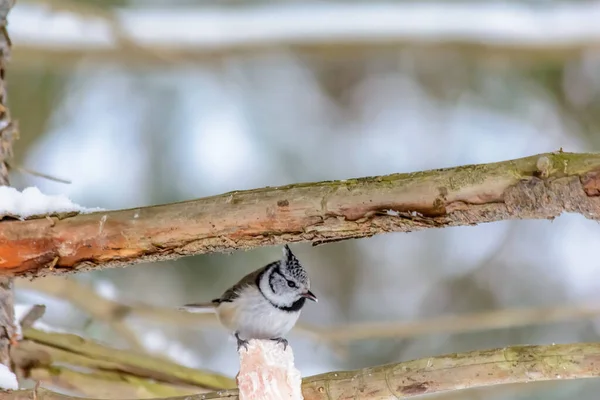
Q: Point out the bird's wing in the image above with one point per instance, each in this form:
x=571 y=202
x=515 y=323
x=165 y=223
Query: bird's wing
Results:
x=250 y=279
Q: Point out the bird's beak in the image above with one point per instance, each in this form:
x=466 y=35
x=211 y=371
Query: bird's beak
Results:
x=309 y=295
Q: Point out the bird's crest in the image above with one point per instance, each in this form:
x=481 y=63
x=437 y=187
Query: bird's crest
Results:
x=292 y=265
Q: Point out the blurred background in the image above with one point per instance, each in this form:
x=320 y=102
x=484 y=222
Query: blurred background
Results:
x=144 y=102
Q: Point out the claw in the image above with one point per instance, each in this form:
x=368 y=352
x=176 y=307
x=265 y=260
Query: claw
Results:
x=241 y=342
x=282 y=341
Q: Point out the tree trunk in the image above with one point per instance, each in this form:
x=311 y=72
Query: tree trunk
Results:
x=8 y=133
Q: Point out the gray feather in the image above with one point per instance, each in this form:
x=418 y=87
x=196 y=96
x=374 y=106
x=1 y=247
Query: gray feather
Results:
x=198 y=307
x=234 y=292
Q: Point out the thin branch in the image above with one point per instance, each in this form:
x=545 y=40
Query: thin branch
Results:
x=84 y=297
x=541 y=186
x=250 y=30
x=46 y=350
x=100 y=308
x=35 y=173
x=510 y=365
x=124 y=42
x=30 y=55
x=108 y=385
x=36 y=312
x=114 y=312
x=460 y=323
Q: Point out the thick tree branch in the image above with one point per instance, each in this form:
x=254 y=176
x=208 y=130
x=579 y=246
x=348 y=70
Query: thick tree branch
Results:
x=541 y=186
x=510 y=365
x=516 y=364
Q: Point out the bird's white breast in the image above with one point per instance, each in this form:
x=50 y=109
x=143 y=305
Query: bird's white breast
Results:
x=254 y=317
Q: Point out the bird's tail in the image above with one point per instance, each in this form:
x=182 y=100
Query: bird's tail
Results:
x=198 y=307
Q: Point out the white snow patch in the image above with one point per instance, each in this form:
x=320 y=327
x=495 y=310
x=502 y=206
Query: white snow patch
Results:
x=8 y=380
x=31 y=201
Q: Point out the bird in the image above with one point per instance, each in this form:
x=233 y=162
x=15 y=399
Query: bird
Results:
x=265 y=304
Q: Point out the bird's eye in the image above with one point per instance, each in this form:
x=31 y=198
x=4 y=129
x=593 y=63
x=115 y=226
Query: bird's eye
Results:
x=291 y=284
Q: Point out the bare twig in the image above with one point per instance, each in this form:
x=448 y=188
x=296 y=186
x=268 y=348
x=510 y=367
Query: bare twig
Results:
x=125 y=43
x=84 y=297
x=111 y=312
x=541 y=186
x=108 y=384
x=114 y=312
x=510 y=365
x=460 y=323
x=36 y=312
x=35 y=173
x=353 y=33
x=100 y=308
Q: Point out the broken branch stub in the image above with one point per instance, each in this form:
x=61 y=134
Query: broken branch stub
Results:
x=267 y=372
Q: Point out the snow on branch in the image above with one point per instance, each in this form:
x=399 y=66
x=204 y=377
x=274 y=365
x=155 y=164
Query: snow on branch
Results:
x=540 y=186
x=8 y=380
x=31 y=202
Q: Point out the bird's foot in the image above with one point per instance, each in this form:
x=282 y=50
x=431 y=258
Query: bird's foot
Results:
x=282 y=341
x=241 y=342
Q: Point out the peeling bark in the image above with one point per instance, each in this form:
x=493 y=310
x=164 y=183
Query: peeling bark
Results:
x=540 y=186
